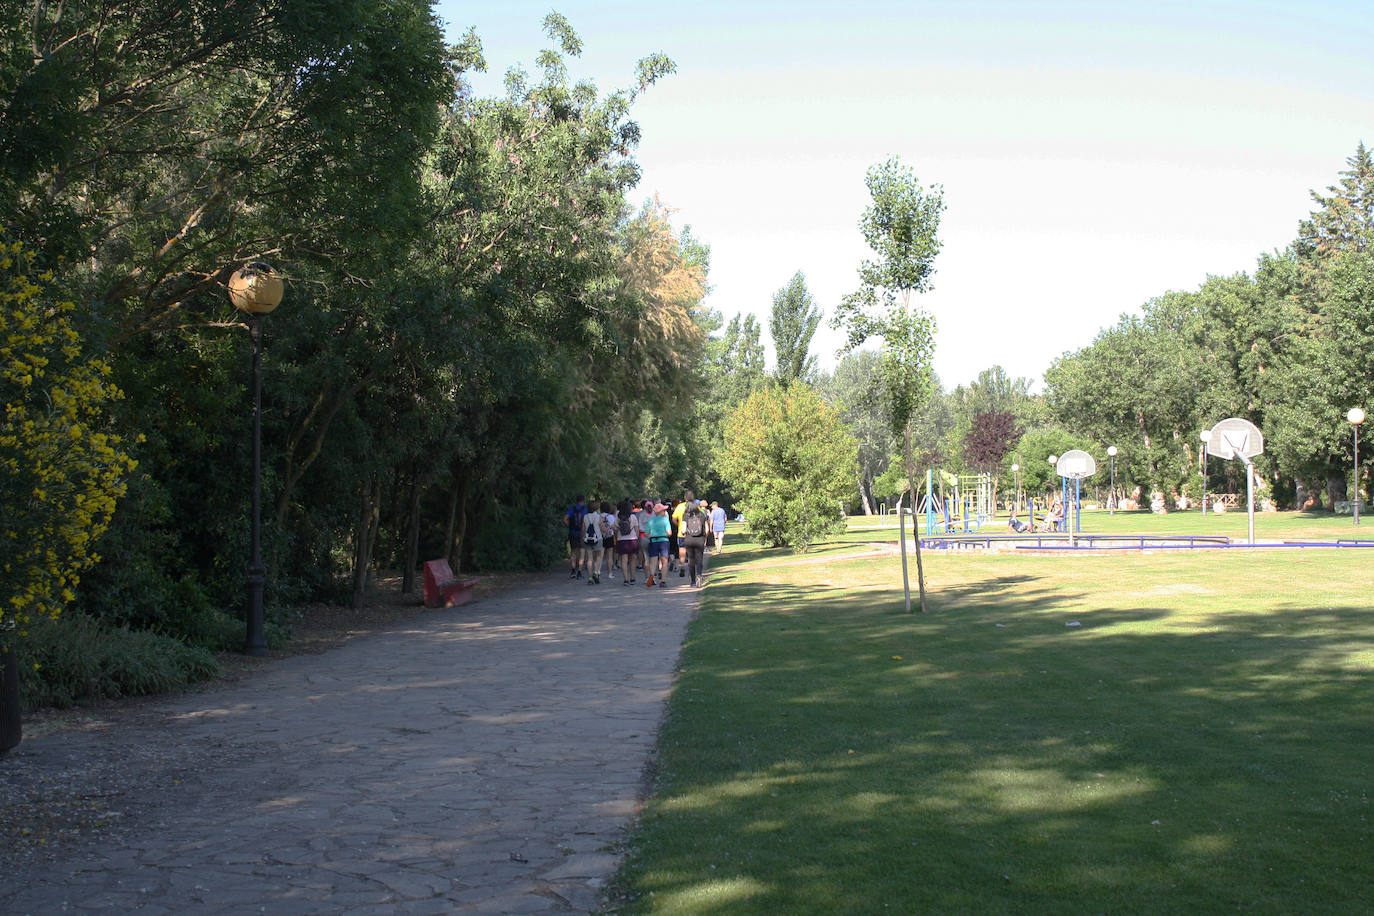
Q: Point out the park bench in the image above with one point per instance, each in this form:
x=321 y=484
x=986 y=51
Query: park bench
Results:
x=443 y=588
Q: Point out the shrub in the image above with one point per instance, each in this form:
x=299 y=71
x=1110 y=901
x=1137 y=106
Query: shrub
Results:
x=792 y=463
x=73 y=658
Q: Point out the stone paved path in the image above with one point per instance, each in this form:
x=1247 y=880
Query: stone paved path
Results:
x=485 y=759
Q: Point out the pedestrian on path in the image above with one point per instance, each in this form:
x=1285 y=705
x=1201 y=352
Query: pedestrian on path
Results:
x=626 y=541
x=573 y=520
x=693 y=539
x=608 y=554
x=660 y=529
x=592 y=547
x=718 y=525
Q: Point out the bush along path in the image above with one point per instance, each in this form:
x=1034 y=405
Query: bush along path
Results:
x=482 y=759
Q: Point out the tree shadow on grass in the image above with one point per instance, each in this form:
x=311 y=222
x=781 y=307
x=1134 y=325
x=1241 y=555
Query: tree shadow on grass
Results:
x=824 y=754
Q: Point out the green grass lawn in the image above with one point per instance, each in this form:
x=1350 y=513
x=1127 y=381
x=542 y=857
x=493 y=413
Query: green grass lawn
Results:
x=1170 y=732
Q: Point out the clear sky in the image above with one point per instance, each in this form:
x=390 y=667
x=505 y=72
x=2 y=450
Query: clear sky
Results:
x=1093 y=155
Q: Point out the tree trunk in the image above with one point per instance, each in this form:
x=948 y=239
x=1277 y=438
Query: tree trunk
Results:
x=461 y=532
x=863 y=495
x=363 y=540
x=412 y=552
x=1336 y=488
x=11 y=720
x=915 y=529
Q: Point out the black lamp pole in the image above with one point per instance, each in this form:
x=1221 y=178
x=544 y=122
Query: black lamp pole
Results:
x=256 y=289
x=256 y=643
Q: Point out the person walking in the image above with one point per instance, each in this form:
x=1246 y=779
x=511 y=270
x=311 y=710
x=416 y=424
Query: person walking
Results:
x=608 y=555
x=573 y=520
x=592 y=547
x=660 y=528
x=679 y=551
x=643 y=510
x=692 y=537
x=626 y=541
x=718 y=526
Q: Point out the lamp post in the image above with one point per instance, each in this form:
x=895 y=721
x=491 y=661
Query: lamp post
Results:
x=1356 y=416
x=1053 y=459
x=256 y=289
x=1111 y=498
x=1206 y=437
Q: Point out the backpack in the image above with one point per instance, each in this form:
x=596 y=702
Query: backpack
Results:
x=696 y=524
x=592 y=534
x=575 y=518
x=624 y=526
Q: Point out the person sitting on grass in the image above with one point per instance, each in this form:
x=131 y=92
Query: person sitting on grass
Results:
x=1015 y=524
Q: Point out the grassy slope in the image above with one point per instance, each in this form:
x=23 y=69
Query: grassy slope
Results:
x=1201 y=740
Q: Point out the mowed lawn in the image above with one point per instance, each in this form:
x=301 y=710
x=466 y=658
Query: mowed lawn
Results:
x=1112 y=733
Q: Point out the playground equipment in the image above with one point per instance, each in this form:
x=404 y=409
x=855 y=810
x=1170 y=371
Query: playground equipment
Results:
x=963 y=503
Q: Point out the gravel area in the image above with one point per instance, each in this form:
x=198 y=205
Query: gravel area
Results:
x=63 y=796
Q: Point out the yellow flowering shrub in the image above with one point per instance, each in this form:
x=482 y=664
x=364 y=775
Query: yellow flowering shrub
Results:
x=61 y=472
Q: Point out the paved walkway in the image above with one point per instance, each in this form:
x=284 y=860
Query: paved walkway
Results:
x=485 y=759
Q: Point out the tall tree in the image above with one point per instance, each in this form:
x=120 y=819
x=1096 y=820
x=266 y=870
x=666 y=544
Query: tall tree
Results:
x=1344 y=218
x=792 y=325
x=901 y=226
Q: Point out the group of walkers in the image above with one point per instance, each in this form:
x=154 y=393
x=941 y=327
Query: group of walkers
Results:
x=656 y=537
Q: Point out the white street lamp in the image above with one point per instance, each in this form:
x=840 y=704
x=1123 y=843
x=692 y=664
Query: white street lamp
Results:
x=1355 y=416
x=1111 y=498
x=1206 y=437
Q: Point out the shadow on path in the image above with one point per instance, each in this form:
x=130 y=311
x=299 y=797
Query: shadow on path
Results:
x=484 y=759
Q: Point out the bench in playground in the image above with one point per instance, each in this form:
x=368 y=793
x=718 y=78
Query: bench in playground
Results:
x=443 y=588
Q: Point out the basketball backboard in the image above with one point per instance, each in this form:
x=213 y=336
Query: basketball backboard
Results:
x=1075 y=464
x=1234 y=438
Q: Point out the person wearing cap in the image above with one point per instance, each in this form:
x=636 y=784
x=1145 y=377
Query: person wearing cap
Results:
x=659 y=529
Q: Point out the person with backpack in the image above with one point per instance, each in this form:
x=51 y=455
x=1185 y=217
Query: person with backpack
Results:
x=591 y=545
x=692 y=538
x=573 y=519
x=626 y=541
x=659 y=529
x=608 y=554
x=680 y=551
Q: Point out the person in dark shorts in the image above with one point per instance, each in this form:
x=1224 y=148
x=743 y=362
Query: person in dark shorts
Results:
x=626 y=541
x=573 y=519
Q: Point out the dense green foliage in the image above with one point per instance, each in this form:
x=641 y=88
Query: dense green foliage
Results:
x=790 y=463
x=476 y=321
x=1288 y=348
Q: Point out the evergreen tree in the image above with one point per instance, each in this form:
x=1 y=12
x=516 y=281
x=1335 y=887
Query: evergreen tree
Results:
x=1345 y=215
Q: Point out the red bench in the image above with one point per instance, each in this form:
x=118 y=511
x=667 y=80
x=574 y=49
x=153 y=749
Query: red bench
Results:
x=443 y=588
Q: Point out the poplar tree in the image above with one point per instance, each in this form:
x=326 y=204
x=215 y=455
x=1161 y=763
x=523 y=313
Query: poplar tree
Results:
x=793 y=324
x=902 y=227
